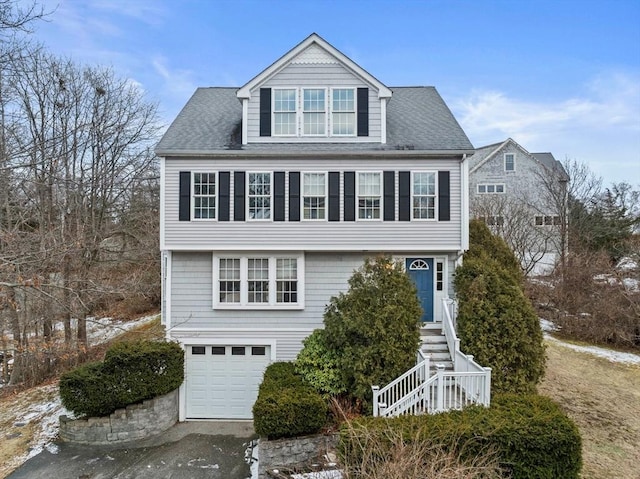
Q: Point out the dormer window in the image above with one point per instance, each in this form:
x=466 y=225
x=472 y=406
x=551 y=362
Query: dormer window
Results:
x=314 y=112
x=343 y=112
x=284 y=112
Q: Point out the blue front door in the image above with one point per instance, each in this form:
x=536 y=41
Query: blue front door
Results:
x=421 y=272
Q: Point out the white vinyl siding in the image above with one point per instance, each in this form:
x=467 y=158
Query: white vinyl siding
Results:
x=310 y=235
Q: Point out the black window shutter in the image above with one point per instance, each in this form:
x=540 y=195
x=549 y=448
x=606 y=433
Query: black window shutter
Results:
x=389 y=196
x=444 y=196
x=184 y=206
x=294 y=196
x=363 y=112
x=404 y=196
x=265 y=111
x=224 y=180
x=349 y=196
x=238 y=195
x=334 y=196
x=278 y=196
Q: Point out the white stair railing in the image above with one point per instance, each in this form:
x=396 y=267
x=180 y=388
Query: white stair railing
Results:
x=416 y=391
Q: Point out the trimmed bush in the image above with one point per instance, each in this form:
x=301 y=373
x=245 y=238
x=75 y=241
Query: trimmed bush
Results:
x=131 y=372
x=531 y=436
x=286 y=406
x=373 y=328
x=319 y=365
x=496 y=321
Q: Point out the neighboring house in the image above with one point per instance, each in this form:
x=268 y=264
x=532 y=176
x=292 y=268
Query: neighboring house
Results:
x=522 y=197
x=275 y=192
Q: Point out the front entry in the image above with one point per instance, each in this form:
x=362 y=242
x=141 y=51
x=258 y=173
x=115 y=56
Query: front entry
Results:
x=421 y=272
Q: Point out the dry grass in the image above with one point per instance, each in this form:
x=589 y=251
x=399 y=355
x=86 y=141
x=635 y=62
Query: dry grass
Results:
x=603 y=398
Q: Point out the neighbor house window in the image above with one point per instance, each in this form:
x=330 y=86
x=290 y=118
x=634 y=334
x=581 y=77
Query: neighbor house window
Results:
x=204 y=196
x=547 y=220
x=314 y=112
x=492 y=220
x=259 y=196
x=314 y=193
x=343 y=109
x=284 y=112
x=369 y=196
x=423 y=193
x=509 y=162
x=259 y=282
x=491 y=188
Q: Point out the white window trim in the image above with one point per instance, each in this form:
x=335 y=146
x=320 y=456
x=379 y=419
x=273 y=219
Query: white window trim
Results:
x=357 y=195
x=326 y=195
x=435 y=203
x=301 y=111
x=505 y=161
x=355 y=112
x=246 y=186
x=193 y=196
x=495 y=185
x=274 y=112
x=244 y=285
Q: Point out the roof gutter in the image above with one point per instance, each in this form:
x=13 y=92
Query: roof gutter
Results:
x=311 y=153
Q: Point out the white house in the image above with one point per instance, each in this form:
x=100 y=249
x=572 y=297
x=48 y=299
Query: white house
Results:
x=274 y=192
x=522 y=197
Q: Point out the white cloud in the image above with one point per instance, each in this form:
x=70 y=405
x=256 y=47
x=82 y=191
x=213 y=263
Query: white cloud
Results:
x=601 y=126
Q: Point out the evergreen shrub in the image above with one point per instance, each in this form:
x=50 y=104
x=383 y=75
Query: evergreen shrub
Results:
x=530 y=434
x=286 y=406
x=131 y=372
x=319 y=365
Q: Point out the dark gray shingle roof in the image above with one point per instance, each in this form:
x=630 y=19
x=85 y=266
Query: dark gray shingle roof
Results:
x=550 y=162
x=417 y=119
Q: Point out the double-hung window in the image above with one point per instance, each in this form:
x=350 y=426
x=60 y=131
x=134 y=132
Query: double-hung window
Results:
x=259 y=196
x=204 y=196
x=343 y=108
x=509 y=162
x=259 y=281
x=284 y=112
x=369 y=196
x=314 y=114
x=314 y=194
x=423 y=193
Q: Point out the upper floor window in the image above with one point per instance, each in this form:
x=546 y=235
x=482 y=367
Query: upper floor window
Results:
x=343 y=112
x=284 y=112
x=509 y=162
x=369 y=196
x=423 y=194
x=314 y=112
x=548 y=220
x=259 y=282
x=490 y=188
x=314 y=194
x=204 y=196
x=259 y=196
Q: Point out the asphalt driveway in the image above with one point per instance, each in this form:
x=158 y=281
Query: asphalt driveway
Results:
x=189 y=450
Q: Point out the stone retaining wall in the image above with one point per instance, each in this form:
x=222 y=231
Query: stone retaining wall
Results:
x=290 y=453
x=136 y=421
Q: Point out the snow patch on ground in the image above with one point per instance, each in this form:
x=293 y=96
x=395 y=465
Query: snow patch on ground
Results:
x=631 y=284
x=627 y=264
x=613 y=356
x=101 y=330
x=319 y=475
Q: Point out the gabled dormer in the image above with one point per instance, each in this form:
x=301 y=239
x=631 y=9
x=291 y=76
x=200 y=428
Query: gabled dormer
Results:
x=314 y=94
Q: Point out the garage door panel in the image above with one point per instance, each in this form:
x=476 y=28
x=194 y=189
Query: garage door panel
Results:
x=222 y=381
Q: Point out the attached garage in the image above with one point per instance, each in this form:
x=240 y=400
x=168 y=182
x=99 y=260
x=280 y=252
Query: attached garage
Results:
x=222 y=380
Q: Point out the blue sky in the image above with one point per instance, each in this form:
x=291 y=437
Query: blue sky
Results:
x=555 y=75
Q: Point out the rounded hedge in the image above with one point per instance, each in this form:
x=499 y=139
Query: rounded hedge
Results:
x=130 y=373
x=532 y=437
x=286 y=406
x=319 y=365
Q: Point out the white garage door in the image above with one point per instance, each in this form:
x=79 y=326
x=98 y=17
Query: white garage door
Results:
x=222 y=381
